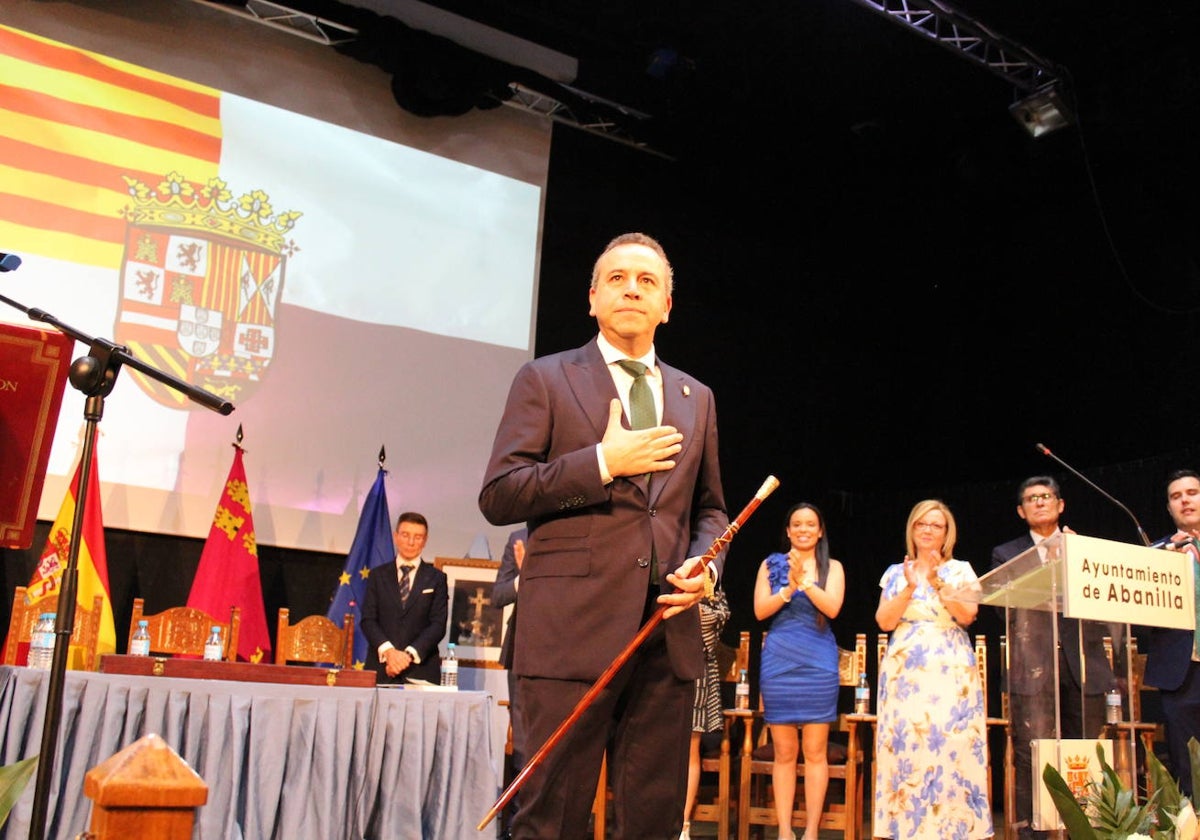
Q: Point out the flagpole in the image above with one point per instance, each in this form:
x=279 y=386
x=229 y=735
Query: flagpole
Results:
x=94 y=375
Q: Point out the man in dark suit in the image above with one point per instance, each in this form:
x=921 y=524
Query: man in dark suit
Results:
x=504 y=592
x=1031 y=679
x=1172 y=661
x=619 y=515
x=406 y=607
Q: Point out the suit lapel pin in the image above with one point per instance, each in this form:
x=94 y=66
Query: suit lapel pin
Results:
x=687 y=392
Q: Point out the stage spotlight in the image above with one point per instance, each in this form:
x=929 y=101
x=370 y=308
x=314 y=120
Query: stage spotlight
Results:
x=1043 y=111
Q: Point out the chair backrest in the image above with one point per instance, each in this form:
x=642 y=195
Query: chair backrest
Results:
x=314 y=639
x=851 y=663
x=981 y=664
x=85 y=634
x=1138 y=663
x=182 y=631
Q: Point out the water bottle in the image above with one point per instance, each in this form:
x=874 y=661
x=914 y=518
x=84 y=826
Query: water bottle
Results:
x=1112 y=706
x=862 y=695
x=450 y=666
x=41 y=642
x=139 y=643
x=742 y=695
x=213 y=649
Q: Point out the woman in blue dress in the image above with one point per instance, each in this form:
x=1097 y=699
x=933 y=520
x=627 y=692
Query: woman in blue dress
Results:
x=931 y=740
x=800 y=590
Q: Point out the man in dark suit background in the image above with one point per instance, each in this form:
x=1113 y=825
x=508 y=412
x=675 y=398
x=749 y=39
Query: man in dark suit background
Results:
x=1031 y=686
x=1172 y=661
x=504 y=592
x=619 y=516
x=404 y=620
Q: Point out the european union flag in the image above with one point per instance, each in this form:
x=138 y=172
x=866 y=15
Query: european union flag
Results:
x=372 y=545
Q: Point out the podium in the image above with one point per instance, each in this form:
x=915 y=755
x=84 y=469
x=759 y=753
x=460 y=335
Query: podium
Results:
x=1060 y=601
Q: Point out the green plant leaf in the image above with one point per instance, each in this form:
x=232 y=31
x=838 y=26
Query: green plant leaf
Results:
x=1194 y=757
x=13 y=779
x=1068 y=809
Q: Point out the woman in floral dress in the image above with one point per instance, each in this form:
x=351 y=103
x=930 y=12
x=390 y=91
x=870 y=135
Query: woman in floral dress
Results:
x=931 y=740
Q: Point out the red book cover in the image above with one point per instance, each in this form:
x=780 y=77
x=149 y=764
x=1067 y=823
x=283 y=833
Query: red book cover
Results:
x=34 y=365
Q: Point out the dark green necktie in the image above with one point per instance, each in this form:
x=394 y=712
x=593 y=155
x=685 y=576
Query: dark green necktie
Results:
x=642 y=416
x=641 y=401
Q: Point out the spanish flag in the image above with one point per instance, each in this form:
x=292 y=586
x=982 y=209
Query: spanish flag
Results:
x=93 y=562
x=228 y=572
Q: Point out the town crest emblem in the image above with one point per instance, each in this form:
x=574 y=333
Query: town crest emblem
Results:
x=201 y=279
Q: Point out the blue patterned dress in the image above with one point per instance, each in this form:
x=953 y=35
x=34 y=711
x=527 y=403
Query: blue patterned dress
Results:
x=799 y=667
x=931 y=741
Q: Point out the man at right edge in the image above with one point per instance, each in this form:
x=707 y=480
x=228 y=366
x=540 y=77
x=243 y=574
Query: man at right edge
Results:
x=1172 y=661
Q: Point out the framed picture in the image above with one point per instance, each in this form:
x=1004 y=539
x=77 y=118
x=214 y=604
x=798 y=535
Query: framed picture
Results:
x=475 y=626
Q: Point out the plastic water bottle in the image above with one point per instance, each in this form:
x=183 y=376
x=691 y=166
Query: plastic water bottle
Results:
x=1112 y=706
x=214 y=650
x=41 y=642
x=742 y=693
x=139 y=643
x=862 y=695
x=450 y=666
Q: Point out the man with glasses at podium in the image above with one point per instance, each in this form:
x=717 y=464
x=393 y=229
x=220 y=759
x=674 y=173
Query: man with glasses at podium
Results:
x=1031 y=687
x=1173 y=661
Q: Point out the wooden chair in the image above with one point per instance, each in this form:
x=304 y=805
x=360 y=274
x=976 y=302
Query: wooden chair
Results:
x=85 y=635
x=182 y=631
x=1001 y=723
x=714 y=810
x=1135 y=728
x=314 y=639
x=718 y=810
x=756 y=806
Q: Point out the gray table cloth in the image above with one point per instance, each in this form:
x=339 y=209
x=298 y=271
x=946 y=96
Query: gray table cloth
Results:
x=280 y=761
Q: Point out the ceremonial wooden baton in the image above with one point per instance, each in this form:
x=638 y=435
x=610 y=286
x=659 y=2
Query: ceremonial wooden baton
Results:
x=768 y=487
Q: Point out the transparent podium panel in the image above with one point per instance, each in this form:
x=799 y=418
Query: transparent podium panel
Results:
x=1074 y=661
x=1060 y=672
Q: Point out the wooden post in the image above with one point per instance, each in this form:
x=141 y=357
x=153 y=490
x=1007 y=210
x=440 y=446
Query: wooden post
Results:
x=145 y=790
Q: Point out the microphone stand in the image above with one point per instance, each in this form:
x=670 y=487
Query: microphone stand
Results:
x=1046 y=451
x=95 y=375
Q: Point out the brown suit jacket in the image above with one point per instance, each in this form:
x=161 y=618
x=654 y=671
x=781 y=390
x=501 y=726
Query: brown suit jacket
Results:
x=587 y=561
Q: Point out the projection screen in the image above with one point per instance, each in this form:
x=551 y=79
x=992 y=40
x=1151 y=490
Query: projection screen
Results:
x=251 y=212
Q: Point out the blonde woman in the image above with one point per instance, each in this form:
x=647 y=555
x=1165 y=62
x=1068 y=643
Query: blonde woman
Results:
x=931 y=742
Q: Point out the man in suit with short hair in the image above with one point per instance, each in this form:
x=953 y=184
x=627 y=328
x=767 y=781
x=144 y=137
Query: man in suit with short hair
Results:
x=405 y=610
x=1173 y=656
x=610 y=458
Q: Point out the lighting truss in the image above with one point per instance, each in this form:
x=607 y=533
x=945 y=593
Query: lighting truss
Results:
x=301 y=24
x=584 y=111
x=970 y=38
x=580 y=115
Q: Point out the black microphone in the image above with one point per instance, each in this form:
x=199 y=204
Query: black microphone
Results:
x=9 y=262
x=1045 y=451
x=1173 y=542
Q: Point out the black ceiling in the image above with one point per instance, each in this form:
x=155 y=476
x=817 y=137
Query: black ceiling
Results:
x=883 y=276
